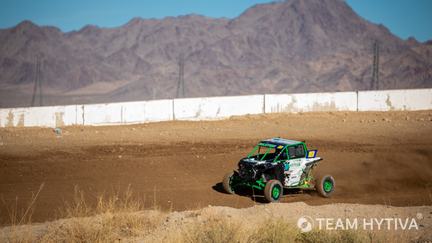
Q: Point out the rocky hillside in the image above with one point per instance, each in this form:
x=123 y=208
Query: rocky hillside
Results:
x=291 y=46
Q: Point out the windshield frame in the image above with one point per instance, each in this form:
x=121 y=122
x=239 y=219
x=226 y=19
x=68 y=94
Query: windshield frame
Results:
x=268 y=147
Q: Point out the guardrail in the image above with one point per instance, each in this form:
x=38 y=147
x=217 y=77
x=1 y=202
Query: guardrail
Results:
x=210 y=108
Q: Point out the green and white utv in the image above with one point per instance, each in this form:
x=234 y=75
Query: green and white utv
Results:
x=277 y=164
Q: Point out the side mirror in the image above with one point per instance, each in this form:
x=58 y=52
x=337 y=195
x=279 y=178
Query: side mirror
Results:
x=311 y=154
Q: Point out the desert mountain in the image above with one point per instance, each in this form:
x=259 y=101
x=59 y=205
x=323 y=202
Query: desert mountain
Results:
x=281 y=47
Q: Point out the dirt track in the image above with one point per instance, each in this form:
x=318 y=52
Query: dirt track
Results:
x=376 y=158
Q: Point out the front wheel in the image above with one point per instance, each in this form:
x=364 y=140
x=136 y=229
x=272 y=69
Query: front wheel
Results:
x=325 y=185
x=273 y=191
x=227 y=182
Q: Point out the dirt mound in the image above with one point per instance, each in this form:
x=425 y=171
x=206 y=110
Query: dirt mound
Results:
x=261 y=223
x=375 y=158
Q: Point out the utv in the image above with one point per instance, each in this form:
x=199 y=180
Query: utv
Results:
x=277 y=164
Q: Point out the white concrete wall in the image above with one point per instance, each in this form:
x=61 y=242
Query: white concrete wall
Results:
x=128 y=112
x=103 y=114
x=92 y=114
x=339 y=101
x=217 y=107
x=49 y=116
x=214 y=108
x=148 y=111
x=387 y=100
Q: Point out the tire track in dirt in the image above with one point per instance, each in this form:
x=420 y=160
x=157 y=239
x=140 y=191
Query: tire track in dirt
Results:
x=373 y=163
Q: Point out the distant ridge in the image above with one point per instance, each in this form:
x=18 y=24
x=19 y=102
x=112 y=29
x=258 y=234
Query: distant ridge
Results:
x=284 y=47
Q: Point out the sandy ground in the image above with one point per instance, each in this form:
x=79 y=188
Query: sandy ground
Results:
x=375 y=157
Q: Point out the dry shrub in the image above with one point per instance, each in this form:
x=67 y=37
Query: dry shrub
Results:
x=103 y=228
x=278 y=230
x=111 y=218
x=219 y=230
x=274 y=231
x=121 y=217
x=114 y=217
x=21 y=217
x=339 y=236
x=18 y=231
x=118 y=202
x=77 y=208
x=213 y=230
x=17 y=234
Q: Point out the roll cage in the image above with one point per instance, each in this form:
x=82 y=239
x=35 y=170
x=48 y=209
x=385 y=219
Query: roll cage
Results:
x=278 y=152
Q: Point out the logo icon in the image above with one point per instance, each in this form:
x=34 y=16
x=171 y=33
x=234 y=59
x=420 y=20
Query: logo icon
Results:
x=419 y=216
x=305 y=224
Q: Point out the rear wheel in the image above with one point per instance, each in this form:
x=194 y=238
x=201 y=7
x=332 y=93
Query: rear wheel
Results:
x=227 y=182
x=325 y=185
x=273 y=191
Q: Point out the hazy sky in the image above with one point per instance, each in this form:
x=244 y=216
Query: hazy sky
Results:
x=403 y=17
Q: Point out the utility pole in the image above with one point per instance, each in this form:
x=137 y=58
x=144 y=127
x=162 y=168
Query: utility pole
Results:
x=40 y=82
x=37 y=82
x=375 y=67
x=180 y=84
